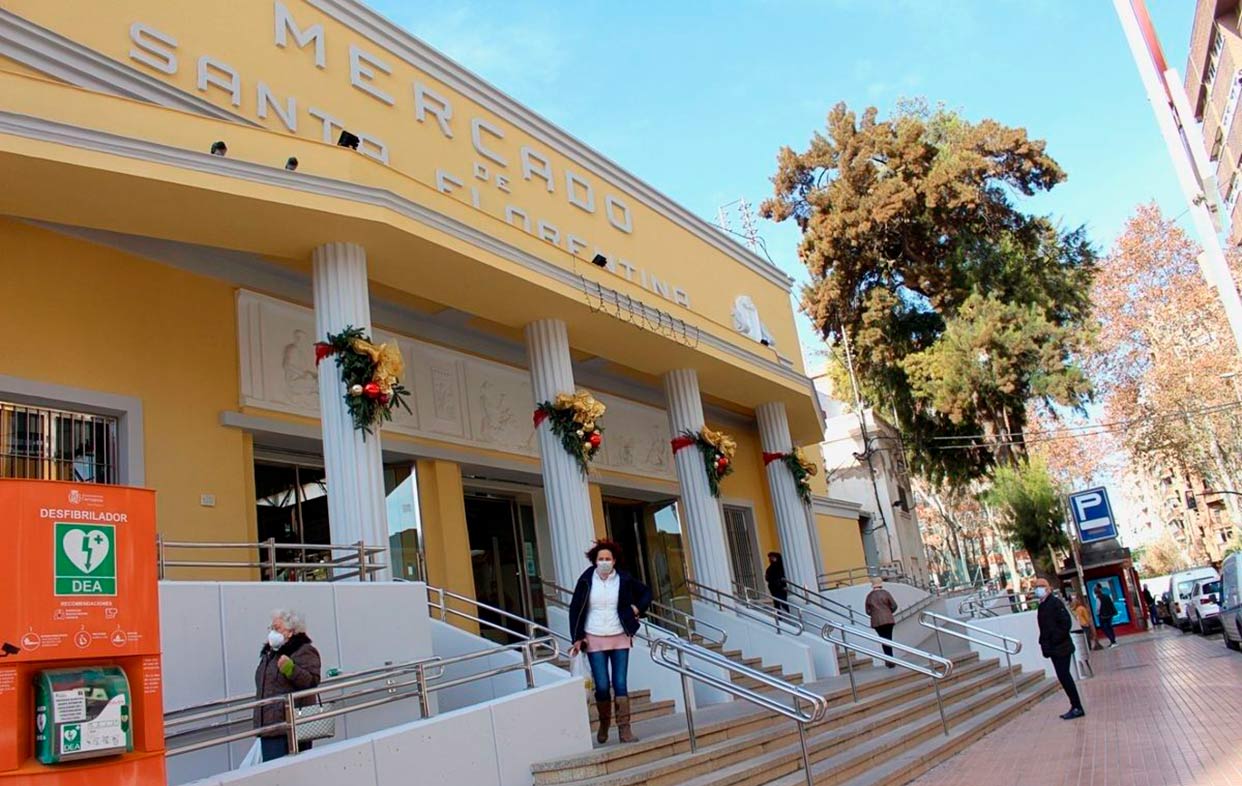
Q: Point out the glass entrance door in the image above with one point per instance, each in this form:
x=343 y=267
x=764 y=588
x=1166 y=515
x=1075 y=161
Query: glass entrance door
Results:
x=505 y=559
x=649 y=534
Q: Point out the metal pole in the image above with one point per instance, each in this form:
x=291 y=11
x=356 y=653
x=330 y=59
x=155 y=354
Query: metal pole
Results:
x=424 y=700
x=806 y=758
x=685 y=695
x=291 y=711
x=528 y=666
x=159 y=551
x=940 y=703
x=849 y=665
x=1012 y=679
x=362 y=561
x=939 y=643
x=271 y=558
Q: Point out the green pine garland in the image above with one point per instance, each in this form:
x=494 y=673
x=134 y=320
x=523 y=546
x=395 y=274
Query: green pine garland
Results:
x=576 y=440
x=367 y=405
x=717 y=464
x=801 y=475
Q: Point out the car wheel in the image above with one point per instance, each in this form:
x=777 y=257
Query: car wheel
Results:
x=1230 y=643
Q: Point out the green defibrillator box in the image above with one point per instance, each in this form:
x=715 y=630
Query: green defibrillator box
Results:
x=81 y=714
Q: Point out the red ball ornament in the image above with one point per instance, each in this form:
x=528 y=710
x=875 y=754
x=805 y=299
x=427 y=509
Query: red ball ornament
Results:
x=371 y=390
x=383 y=399
x=722 y=462
x=596 y=439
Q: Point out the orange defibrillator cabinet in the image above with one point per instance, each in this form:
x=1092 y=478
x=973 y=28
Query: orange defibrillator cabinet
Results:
x=80 y=685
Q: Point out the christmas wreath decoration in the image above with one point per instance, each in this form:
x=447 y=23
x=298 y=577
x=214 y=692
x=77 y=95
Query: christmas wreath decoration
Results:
x=801 y=469
x=574 y=418
x=717 y=450
x=371 y=375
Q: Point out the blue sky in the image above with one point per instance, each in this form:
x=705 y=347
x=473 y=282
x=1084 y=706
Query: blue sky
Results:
x=697 y=97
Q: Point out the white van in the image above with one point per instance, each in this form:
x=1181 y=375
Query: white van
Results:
x=1180 y=585
x=1231 y=601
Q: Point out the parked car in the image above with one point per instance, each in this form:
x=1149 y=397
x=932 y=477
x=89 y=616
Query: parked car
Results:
x=1180 y=585
x=1204 y=609
x=1231 y=601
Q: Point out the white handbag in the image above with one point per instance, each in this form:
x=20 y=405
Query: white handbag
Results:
x=578 y=667
x=312 y=727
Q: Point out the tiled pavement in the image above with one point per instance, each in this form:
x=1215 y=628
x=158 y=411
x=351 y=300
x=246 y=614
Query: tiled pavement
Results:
x=1164 y=708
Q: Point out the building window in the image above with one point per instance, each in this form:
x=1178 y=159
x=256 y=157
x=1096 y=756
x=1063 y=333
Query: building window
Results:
x=743 y=547
x=1218 y=43
x=54 y=444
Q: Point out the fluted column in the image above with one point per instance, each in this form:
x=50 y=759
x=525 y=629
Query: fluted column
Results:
x=354 y=467
x=797 y=548
x=564 y=485
x=699 y=508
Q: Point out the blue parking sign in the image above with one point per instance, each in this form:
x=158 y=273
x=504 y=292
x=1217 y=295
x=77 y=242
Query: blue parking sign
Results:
x=1093 y=515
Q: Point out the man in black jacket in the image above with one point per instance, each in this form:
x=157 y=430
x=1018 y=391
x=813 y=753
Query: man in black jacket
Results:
x=1107 y=610
x=1054 y=642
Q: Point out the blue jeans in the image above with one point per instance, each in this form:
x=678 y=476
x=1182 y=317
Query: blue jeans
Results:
x=619 y=660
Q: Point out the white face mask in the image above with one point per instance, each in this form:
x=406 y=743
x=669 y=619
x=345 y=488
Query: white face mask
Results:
x=1041 y=592
x=604 y=566
x=275 y=639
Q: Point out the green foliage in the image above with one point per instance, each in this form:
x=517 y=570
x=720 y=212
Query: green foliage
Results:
x=920 y=257
x=577 y=441
x=1029 y=504
x=368 y=403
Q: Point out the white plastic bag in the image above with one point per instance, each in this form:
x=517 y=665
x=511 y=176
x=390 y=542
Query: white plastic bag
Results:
x=578 y=667
x=254 y=756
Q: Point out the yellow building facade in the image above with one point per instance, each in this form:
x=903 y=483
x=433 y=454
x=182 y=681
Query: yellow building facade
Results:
x=162 y=306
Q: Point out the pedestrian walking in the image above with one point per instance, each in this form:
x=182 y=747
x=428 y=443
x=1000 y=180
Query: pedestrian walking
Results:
x=605 y=610
x=1055 y=642
x=880 y=608
x=1083 y=615
x=778 y=588
x=1152 y=611
x=1106 y=610
x=288 y=662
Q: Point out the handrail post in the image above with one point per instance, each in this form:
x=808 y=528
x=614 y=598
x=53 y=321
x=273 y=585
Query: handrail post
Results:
x=159 y=554
x=528 y=666
x=424 y=700
x=1009 y=666
x=939 y=643
x=849 y=665
x=271 y=558
x=292 y=732
x=685 y=695
x=940 y=703
x=362 y=561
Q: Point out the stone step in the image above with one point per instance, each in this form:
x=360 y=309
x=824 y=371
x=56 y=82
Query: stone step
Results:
x=883 y=689
x=760 y=757
x=860 y=764
x=639 y=710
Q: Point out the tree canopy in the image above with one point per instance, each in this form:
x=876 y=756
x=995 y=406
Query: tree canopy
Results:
x=959 y=307
x=1030 y=506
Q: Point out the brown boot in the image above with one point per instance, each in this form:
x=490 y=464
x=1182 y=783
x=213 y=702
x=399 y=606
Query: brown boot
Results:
x=623 y=720
x=605 y=718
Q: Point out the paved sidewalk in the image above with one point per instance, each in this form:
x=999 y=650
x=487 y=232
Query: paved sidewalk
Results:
x=1164 y=708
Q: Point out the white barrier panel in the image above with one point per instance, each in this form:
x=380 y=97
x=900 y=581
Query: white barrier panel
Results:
x=1024 y=628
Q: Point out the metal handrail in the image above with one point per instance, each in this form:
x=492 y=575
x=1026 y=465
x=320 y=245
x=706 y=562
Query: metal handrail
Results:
x=767 y=615
x=442 y=606
x=423 y=683
x=936 y=674
x=672 y=654
x=359 y=559
x=818 y=618
x=888 y=570
x=827 y=604
x=929 y=619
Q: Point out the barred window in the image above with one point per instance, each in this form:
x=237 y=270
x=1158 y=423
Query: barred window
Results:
x=53 y=444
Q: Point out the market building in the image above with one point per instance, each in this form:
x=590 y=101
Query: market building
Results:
x=164 y=296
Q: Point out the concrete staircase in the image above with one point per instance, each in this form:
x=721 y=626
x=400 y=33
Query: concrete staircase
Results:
x=890 y=736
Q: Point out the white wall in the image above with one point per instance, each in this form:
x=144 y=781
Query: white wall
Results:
x=492 y=744
x=211 y=634
x=449 y=641
x=793 y=653
x=1024 y=628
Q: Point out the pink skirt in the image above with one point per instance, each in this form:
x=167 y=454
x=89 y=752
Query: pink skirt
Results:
x=618 y=641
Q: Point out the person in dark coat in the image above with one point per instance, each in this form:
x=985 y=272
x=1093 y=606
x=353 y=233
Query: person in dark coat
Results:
x=880 y=607
x=774 y=576
x=288 y=662
x=1150 y=601
x=1106 y=610
x=603 y=620
x=1055 y=643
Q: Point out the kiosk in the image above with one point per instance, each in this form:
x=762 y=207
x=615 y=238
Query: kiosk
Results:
x=80 y=686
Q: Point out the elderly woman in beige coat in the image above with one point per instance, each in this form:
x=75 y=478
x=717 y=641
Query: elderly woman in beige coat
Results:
x=880 y=608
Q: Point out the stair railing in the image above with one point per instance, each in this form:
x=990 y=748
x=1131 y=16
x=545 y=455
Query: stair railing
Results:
x=439 y=607
x=982 y=637
x=762 y=613
x=805 y=707
x=812 y=598
x=937 y=668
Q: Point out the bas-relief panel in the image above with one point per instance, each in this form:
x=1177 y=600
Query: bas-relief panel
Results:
x=453 y=396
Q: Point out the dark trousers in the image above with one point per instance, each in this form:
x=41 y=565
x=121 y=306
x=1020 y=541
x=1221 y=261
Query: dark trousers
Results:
x=1062 y=665
x=278 y=747
x=1107 y=627
x=781 y=601
x=614 y=684
x=886 y=631
x=1155 y=614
